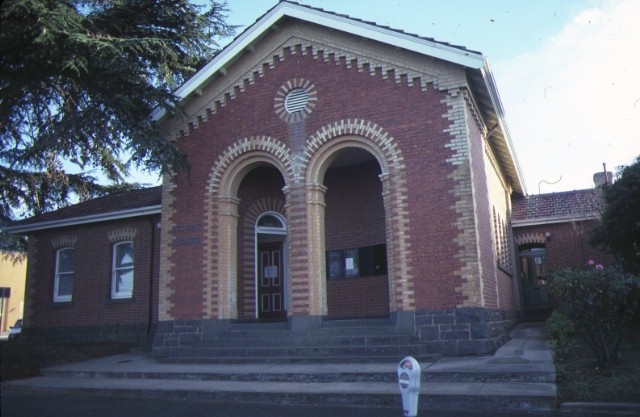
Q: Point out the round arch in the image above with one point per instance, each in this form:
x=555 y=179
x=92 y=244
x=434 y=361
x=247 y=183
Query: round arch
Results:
x=221 y=216
x=323 y=147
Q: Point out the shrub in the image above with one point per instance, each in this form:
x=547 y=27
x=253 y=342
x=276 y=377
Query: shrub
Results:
x=599 y=301
x=560 y=332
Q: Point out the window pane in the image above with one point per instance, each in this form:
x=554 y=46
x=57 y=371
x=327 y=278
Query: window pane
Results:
x=124 y=282
x=270 y=221
x=65 y=284
x=65 y=266
x=66 y=260
x=124 y=255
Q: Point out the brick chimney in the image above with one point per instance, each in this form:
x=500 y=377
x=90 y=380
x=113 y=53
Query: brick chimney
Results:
x=603 y=177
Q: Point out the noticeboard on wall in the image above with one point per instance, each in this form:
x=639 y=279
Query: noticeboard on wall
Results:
x=356 y=262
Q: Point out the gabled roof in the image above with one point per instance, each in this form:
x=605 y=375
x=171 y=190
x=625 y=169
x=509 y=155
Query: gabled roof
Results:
x=574 y=205
x=478 y=71
x=369 y=30
x=134 y=203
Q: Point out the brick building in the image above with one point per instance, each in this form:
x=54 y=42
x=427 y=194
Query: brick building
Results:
x=342 y=172
x=92 y=269
x=552 y=231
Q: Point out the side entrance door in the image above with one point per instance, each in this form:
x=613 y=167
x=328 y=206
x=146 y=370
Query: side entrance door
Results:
x=534 y=275
x=271 y=281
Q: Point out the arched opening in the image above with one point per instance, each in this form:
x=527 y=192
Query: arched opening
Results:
x=357 y=283
x=534 y=278
x=262 y=246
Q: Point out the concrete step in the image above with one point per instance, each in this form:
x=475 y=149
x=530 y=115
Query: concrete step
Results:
x=286 y=354
x=291 y=360
x=326 y=372
x=266 y=331
x=252 y=340
x=491 y=369
x=520 y=375
x=298 y=370
x=433 y=396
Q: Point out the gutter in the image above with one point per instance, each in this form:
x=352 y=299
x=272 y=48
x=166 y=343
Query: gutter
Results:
x=490 y=82
x=552 y=220
x=74 y=221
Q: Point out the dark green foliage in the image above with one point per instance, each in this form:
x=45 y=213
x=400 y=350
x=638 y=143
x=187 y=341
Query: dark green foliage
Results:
x=79 y=80
x=560 y=332
x=619 y=230
x=599 y=302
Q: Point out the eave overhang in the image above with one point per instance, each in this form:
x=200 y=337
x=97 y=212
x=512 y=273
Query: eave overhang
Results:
x=486 y=94
x=80 y=220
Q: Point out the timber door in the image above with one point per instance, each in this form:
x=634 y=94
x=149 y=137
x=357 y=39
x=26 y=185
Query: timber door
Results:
x=271 y=281
x=535 y=284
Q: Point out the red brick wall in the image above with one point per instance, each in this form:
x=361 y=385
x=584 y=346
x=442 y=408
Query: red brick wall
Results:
x=412 y=116
x=91 y=303
x=568 y=246
x=358 y=297
x=354 y=213
x=484 y=227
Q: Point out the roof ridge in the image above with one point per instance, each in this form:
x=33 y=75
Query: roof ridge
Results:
x=373 y=23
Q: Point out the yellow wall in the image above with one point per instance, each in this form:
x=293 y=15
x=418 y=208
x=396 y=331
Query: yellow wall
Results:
x=12 y=275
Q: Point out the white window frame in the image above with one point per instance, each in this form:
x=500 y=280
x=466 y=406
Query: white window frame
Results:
x=57 y=298
x=116 y=270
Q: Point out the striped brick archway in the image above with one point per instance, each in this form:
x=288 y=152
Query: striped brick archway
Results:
x=322 y=147
x=221 y=216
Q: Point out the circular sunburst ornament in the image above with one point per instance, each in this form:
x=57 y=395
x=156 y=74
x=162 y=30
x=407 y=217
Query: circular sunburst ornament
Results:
x=295 y=100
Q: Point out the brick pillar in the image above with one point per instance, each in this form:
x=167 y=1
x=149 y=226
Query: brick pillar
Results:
x=228 y=261
x=315 y=249
x=296 y=223
x=391 y=270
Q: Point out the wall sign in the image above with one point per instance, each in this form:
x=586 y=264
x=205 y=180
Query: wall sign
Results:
x=357 y=262
x=181 y=240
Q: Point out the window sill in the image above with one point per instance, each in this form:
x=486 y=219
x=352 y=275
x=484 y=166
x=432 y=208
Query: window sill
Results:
x=130 y=300
x=61 y=304
x=510 y=273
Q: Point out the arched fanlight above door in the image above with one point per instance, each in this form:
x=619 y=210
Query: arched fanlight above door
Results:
x=272 y=223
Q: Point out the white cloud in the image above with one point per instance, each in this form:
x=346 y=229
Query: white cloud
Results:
x=575 y=103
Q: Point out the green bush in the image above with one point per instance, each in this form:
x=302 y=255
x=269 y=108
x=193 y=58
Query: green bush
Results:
x=598 y=301
x=560 y=332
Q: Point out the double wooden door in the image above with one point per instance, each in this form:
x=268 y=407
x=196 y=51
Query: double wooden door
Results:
x=270 y=283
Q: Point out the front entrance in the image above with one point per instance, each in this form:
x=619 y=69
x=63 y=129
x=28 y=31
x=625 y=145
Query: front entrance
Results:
x=271 y=281
x=535 y=282
x=271 y=267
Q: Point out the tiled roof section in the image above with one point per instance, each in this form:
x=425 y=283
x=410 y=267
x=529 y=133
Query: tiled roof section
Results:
x=122 y=201
x=576 y=204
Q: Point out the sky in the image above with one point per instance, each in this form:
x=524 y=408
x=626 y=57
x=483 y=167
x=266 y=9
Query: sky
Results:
x=568 y=72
